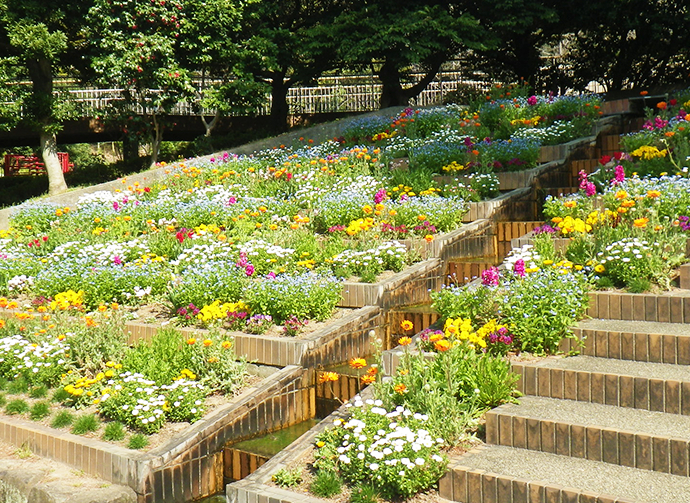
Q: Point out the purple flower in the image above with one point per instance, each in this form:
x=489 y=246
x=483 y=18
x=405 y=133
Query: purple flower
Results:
x=544 y=229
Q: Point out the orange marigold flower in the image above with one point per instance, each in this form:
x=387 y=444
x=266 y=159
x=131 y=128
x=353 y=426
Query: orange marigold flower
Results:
x=3 y=302
x=442 y=345
x=367 y=379
x=644 y=93
x=662 y=105
x=208 y=342
x=373 y=370
x=358 y=363
x=191 y=341
x=428 y=238
x=2 y=323
x=404 y=341
x=406 y=325
x=653 y=194
x=400 y=388
x=328 y=377
x=226 y=344
x=640 y=223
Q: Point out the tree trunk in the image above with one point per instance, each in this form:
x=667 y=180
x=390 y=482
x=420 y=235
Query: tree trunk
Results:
x=56 y=178
x=41 y=73
x=279 y=104
x=210 y=125
x=156 y=140
x=130 y=150
x=392 y=92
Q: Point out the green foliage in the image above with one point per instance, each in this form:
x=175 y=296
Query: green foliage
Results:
x=39 y=410
x=17 y=406
x=161 y=359
x=326 y=484
x=18 y=386
x=541 y=307
x=3 y=399
x=288 y=477
x=364 y=494
x=86 y=423
x=114 y=432
x=62 y=419
x=137 y=441
x=60 y=395
x=40 y=391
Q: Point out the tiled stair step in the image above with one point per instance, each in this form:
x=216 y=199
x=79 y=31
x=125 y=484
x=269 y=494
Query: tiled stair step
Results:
x=669 y=307
x=498 y=474
x=645 y=341
x=628 y=437
x=641 y=385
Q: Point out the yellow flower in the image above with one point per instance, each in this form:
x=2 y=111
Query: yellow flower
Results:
x=404 y=341
x=400 y=388
x=358 y=363
x=406 y=325
x=328 y=377
x=599 y=268
x=442 y=345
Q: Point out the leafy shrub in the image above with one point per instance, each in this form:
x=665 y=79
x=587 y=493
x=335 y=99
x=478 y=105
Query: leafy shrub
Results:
x=286 y=477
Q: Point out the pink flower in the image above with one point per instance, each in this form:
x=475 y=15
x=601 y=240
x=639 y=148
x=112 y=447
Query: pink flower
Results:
x=519 y=268
x=532 y=100
x=379 y=196
x=490 y=277
x=619 y=176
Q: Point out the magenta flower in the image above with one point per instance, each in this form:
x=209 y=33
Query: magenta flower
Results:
x=490 y=277
x=519 y=268
x=532 y=100
x=619 y=175
x=379 y=196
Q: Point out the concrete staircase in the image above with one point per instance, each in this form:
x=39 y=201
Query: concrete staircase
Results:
x=611 y=425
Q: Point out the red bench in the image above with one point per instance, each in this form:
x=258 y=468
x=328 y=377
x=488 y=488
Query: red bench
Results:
x=32 y=164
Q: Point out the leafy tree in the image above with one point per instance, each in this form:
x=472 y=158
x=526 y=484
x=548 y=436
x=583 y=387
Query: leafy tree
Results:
x=628 y=43
x=37 y=41
x=399 y=36
x=208 y=47
x=296 y=43
x=521 y=29
x=134 y=47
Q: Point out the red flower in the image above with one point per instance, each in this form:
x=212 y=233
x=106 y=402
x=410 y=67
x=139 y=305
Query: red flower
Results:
x=604 y=159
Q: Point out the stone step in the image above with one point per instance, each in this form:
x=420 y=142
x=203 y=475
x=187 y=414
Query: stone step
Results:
x=499 y=474
x=645 y=341
x=641 y=385
x=669 y=307
x=628 y=437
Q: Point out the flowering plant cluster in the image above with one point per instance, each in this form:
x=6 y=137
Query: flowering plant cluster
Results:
x=89 y=362
x=530 y=306
x=598 y=220
x=663 y=144
x=389 y=449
